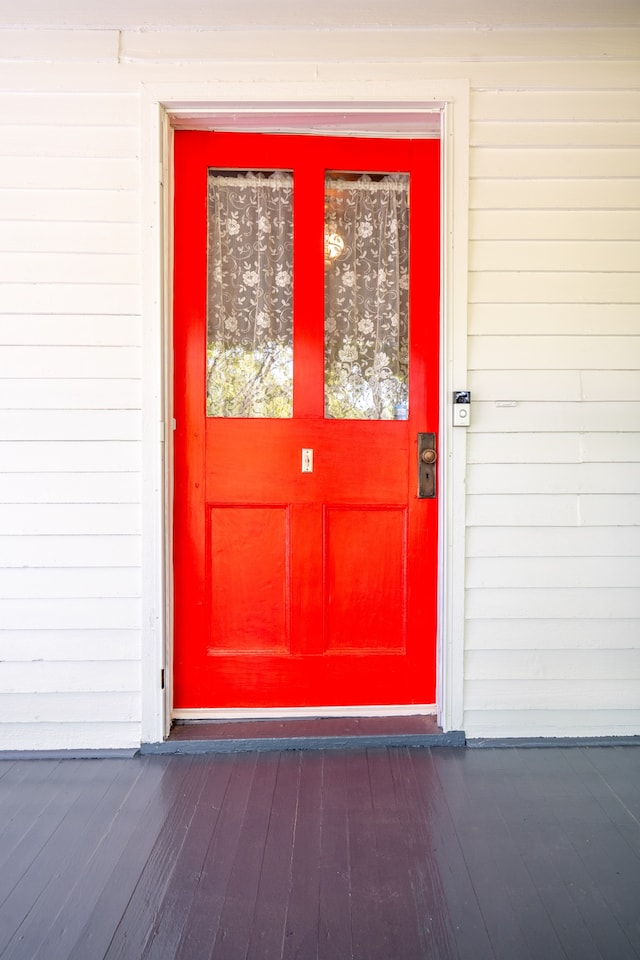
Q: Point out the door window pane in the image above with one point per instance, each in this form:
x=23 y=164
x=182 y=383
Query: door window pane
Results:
x=366 y=309
x=249 y=294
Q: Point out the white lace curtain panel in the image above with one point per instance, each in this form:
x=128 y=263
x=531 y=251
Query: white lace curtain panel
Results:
x=366 y=299
x=249 y=298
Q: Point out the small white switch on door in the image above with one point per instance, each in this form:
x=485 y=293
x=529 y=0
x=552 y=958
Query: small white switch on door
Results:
x=307 y=460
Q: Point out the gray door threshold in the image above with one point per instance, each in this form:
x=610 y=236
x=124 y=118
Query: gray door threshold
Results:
x=314 y=733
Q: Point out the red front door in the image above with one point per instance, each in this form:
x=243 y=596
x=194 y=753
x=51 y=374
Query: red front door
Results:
x=305 y=561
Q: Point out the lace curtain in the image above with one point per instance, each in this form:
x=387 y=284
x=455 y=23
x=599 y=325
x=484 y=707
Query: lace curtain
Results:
x=249 y=296
x=367 y=298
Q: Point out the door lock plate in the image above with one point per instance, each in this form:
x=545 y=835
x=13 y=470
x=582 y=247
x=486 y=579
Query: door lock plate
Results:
x=427 y=457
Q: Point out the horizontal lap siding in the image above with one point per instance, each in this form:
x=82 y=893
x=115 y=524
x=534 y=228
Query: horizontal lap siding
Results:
x=553 y=477
x=70 y=398
x=553 y=454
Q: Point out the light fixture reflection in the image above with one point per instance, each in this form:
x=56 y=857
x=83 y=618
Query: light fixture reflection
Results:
x=333 y=246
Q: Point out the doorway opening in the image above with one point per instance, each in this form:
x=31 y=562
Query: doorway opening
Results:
x=305 y=556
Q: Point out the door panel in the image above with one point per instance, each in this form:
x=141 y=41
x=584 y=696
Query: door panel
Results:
x=301 y=588
x=365 y=579
x=248 y=613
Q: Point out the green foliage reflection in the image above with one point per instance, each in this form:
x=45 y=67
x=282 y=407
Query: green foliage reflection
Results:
x=250 y=382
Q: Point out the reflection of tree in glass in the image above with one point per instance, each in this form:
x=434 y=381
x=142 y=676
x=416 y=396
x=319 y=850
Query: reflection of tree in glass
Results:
x=366 y=297
x=245 y=382
x=249 y=294
x=362 y=388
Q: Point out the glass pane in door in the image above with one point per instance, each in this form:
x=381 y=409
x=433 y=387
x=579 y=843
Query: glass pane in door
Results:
x=249 y=294
x=366 y=289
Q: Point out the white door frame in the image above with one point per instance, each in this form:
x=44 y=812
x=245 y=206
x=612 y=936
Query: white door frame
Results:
x=389 y=108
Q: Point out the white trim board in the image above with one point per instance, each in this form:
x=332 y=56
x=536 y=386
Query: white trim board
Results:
x=325 y=119
x=399 y=108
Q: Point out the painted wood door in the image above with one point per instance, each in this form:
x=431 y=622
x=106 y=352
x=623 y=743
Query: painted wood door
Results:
x=305 y=564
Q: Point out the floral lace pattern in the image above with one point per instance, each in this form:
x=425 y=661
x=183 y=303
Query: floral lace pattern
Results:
x=250 y=291
x=249 y=295
x=367 y=298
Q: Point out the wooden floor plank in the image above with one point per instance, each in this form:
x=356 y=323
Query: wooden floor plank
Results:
x=134 y=785
x=27 y=827
x=145 y=906
x=170 y=924
x=436 y=832
x=268 y=925
x=77 y=847
x=199 y=934
x=466 y=798
x=49 y=846
x=163 y=781
x=373 y=922
x=539 y=843
x=302 y=916
x=431 y=906
x=515 y=918
x=386 y=854
x=25 y=792
x=234 y=928
x=602 y=873
x=410 y=914
x=542 y=845
x=334 y=906
x=614 y=786
x=6 y=766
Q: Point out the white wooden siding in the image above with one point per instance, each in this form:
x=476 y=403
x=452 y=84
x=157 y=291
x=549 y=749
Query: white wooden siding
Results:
x=70 y=646
x=553 y=453
x=76 y=552
x=41 y=519
x=369 y=45
x=53 y=456
x=97 y=206
x=78 y=237
x=531 y=635
x=553 y=569
x=82 y=394
x=70 y=395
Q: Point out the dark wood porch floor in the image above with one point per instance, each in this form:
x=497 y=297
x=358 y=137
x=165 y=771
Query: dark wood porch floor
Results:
x=386 y=854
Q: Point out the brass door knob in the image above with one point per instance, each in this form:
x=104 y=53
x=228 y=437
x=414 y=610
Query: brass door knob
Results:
x=429 y=456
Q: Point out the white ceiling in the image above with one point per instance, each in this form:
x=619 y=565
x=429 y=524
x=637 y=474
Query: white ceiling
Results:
x=269 y=14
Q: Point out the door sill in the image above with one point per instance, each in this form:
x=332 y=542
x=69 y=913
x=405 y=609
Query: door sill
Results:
x=304 y=733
